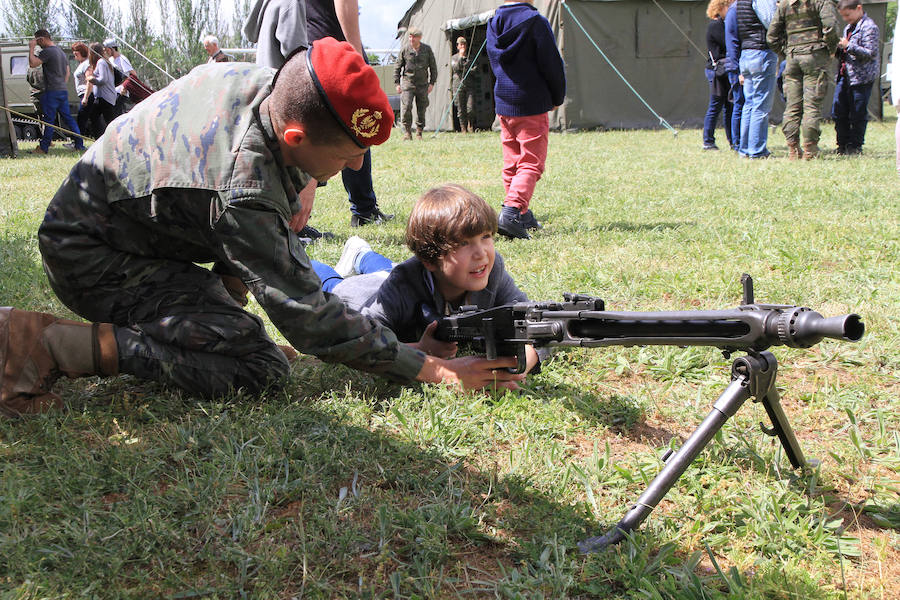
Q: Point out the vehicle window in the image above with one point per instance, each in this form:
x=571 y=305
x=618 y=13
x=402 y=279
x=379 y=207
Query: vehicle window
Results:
x=18 y=65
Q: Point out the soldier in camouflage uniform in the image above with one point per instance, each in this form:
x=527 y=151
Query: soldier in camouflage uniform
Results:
x=177 y=183
x=414 y=75
x=806 y=33
x=462 y=87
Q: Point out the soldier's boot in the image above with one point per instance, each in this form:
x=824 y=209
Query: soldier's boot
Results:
x=419 y=133
x=810 y=150
x=36 y=349
x=407 y=134
x=794 y=150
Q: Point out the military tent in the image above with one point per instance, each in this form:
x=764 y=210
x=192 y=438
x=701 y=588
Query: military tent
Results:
x=658 y=46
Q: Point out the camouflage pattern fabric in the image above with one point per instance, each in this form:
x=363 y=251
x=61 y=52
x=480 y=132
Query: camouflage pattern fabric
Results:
x=415 y=69
x=806 y=33
x=177 y=182
x=420 y=95
x=805 y=85
x=804 y=27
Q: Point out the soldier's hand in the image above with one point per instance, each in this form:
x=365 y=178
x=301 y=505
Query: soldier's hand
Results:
x=430 y=87
x=471 y=372
x=398 y=89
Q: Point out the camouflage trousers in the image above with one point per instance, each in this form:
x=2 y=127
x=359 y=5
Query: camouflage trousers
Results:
x=174 y=321
x=420 y=95
x=805 y=84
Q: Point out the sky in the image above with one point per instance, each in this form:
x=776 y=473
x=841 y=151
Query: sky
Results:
x=378 y=21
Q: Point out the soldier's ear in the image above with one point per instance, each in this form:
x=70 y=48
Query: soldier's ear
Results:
x=293 y=136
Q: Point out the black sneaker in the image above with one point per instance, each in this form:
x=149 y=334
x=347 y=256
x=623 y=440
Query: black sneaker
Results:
x=375 y=218
x=528 y=220
x=310 y=234
x=711 y=146
x=510 y=224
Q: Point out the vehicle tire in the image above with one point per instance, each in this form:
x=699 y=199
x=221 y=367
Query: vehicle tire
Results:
x=30 y=132
x=18 y=130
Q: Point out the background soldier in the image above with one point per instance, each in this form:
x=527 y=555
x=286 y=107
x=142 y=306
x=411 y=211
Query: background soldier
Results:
x=417 y=70
x=461 y=86
x=804 y=32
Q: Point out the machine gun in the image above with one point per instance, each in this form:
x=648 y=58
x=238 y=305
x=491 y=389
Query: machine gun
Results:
x=582 y=321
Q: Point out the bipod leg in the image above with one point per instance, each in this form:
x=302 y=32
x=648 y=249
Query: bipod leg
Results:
x=763 y=390
x=743 y=371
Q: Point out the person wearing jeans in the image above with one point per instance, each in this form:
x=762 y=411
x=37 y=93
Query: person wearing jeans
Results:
x=758 y=68
x=757 y=65
x=55 y=97
x=858 y=70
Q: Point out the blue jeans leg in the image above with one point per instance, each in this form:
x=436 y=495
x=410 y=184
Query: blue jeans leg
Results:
x=737 y=98
x=716 y=103
x=327 y=274
x=758 y=68
x=372 y=262
x=359 y=188
x=53 y=102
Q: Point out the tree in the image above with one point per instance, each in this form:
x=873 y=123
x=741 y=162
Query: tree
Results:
x=24 y=17
x=87 y=23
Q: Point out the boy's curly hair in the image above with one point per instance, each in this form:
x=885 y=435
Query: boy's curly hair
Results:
x=443 y=218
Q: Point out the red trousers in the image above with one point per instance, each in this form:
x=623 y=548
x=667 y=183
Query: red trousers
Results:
x=524 y=143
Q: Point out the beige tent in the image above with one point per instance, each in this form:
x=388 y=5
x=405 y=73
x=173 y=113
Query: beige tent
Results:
x=658 y=46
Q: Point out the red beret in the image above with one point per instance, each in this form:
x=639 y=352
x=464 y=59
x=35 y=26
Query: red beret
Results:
x=351 y=90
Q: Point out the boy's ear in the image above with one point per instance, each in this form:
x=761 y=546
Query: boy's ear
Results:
x=294 y=135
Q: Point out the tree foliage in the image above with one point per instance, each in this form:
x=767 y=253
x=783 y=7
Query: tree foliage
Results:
x=22 y=18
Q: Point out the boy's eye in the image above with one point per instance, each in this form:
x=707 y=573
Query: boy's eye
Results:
x=488 y=236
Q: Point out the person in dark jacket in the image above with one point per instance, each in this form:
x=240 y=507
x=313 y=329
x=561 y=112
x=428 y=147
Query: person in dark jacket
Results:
x=716 y=74
x=531 y=80
x=758 y=66
x=859 y=69
x=732 y=60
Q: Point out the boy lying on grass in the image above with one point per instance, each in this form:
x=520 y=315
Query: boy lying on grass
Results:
x=451 y=233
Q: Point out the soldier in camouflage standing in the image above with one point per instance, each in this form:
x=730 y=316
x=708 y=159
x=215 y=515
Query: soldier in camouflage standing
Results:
x=415 y=74
x=179 y=183
x=461 y=86
x=806 y=33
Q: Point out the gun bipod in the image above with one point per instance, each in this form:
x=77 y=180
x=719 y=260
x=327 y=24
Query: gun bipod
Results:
x=753 y=376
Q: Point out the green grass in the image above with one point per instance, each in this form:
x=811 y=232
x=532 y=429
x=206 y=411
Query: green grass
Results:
x=344 y=485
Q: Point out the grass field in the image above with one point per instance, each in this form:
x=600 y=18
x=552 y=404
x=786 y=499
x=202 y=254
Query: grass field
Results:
x=344 y=485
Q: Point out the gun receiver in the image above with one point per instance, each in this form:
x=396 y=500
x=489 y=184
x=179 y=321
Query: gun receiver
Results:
x=582 y=321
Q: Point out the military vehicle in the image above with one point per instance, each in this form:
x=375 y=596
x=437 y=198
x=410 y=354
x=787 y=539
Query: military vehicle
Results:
x=19 y=94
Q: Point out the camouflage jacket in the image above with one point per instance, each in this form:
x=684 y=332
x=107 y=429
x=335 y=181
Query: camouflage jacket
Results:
x=459 y=68
x=804 y=27
x=206 y=182
x=416 y=69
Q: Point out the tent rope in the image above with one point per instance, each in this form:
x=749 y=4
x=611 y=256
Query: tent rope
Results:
x=686 y=36
x=662 y=121
x=456 y=93
x=120 y=38
x=46 y=124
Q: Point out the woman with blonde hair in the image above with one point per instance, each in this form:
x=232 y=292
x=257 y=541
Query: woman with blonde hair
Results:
x=716 y=74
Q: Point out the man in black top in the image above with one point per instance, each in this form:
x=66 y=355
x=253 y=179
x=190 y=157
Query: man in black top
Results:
x=55 y=97
x=340 y=19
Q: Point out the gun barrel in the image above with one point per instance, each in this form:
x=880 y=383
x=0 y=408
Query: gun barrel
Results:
x=801 y=328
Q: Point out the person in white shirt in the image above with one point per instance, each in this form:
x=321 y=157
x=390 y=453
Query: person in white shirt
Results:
x=119 y=61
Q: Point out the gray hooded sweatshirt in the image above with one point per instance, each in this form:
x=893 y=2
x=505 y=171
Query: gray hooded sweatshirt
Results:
x=278 y=27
